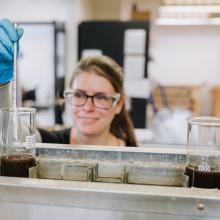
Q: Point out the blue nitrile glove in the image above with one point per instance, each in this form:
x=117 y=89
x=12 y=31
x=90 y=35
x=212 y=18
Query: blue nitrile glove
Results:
x=8 y=35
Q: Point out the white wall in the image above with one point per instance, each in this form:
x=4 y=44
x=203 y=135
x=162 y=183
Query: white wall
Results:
x=186 y=55
x=106 y=9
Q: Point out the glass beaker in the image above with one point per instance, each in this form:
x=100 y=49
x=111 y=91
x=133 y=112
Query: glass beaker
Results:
x=203 y=152
x=17 y=141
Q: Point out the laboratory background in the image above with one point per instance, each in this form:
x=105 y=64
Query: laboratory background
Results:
x=169 y=51
x=170 y=54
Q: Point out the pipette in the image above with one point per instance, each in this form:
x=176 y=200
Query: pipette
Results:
x=14 y=82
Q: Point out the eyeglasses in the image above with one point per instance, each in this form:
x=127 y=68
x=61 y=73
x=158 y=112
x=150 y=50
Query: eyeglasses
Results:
x=99 y=100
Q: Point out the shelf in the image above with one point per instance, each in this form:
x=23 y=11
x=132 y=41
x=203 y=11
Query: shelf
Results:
x=186 y=21
x=190 y=8
x=189 y=15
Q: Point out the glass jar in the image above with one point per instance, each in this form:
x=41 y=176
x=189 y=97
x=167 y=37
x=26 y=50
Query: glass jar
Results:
x=203 y=152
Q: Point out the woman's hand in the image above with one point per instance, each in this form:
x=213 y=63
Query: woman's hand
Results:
x=8 y=35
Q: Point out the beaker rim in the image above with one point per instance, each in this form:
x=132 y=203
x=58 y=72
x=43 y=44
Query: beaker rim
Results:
x=204 y=120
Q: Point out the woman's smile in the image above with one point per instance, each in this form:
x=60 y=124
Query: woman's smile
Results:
x=88 y=118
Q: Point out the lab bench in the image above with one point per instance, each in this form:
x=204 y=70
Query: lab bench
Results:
x=92 y=182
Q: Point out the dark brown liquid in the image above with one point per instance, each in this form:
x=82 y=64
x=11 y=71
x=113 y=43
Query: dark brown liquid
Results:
x=202 y=179
x=17 y=165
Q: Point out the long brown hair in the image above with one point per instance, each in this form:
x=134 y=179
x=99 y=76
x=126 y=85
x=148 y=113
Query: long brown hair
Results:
x=122 y=126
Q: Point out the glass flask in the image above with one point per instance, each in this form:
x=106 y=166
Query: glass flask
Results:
x=17 y=136
x=203 y=152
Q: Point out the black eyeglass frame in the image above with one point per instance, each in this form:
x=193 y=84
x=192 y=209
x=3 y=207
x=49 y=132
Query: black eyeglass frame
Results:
x=115 y=98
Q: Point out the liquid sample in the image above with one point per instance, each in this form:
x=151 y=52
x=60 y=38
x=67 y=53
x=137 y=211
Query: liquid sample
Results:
x=202 y=179
x=17 y=165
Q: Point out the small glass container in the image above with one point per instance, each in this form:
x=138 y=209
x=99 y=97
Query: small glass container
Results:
x=17 y=135
x=203 y=152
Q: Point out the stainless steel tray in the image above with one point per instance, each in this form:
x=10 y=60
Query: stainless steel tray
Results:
x=111 y=164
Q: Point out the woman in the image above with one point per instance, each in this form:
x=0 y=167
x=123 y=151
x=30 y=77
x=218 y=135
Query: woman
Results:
x=98 y=106
x=96 y=95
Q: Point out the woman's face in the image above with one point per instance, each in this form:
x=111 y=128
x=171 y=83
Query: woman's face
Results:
x=88 y=119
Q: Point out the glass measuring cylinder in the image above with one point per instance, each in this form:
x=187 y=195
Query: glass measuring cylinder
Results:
x=203 y=152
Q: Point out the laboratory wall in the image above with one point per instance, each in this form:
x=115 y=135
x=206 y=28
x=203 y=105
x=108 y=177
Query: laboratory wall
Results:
x=181 y=54
x=177 y=51
x=108 y=10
